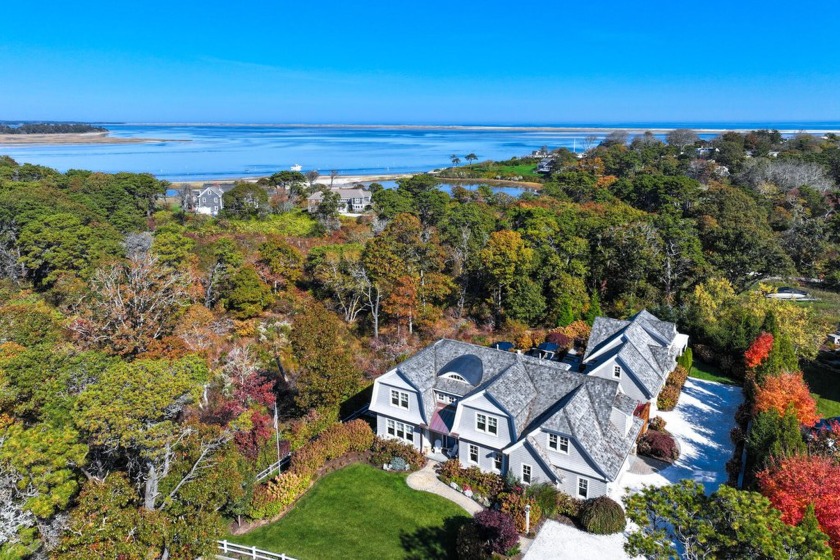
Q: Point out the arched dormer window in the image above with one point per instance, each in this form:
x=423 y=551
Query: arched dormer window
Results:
x=466 y=369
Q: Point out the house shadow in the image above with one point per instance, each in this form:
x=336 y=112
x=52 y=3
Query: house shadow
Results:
x=433 y=543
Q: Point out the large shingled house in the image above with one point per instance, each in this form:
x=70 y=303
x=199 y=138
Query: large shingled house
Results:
x=538 y=419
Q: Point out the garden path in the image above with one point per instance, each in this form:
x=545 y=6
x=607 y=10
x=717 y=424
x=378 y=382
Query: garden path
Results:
x=426 y=480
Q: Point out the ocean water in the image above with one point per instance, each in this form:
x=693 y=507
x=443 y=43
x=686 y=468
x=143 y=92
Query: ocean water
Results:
x=216 y=152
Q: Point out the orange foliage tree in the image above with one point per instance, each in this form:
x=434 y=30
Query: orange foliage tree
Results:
x=759 y=350
x=787 y=390
x=799 y=481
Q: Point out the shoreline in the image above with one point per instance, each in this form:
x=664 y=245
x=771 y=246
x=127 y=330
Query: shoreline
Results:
x=495 y=128
x=71 y=138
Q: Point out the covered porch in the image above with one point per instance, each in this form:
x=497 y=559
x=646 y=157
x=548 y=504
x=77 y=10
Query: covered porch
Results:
x=440 y=444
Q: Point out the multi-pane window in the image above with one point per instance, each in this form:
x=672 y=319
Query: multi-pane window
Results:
x=399 y=398
x=526 y=474
x=401 y=431
x=473 y=453
x=583 y=488
x=616 y=371
x=444 y=398
x=497 y=461
x=487 y=424
x=558 y=443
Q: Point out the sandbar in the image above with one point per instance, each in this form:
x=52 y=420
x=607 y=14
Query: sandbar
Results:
x=73 y=138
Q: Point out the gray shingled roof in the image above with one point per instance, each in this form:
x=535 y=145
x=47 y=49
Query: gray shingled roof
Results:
x=640 y=346
x=536 y=393
x=586 y=417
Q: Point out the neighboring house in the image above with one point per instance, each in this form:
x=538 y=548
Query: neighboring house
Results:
x=638 y=353
x=352 y=200
x=544 y=166
x=208 y=198
x=506 y=412
x=786 y=292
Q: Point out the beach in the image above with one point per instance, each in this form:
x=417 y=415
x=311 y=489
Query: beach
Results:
x=72 y=139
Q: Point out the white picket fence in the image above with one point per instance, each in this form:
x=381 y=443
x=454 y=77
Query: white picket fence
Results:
x=248 y=552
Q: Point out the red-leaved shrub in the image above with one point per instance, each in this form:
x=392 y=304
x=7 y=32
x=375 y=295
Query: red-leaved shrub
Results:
x=497 y=530
x=660 y=445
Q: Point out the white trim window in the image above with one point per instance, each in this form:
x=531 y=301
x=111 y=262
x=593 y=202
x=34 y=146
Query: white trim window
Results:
x=444 y=398
x=497 y=461
x=558 y=443
x=400 y=430
x=526 y=473
x=617 y=371
x=583 y=488
x=473 y=450
x=487 y=424
x=399 y=399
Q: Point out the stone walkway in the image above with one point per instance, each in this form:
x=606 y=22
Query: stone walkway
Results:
x=426 y=480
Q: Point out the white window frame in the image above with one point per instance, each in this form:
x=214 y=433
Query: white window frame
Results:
x=617 y=371
x=529 y=475
x=444 y=398
x=585 y=487
x=395 y=427
x=472 y=449
x=552 y=442
x=498 y=461
x=401 y=398
x=456 y=377
x=488 y=422
x=563 y=442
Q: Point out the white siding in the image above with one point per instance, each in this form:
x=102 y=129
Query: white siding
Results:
x=575 y=461
x=485 y=456
x=381 y=400
x=382 y=430
x=465 y=423
x=627 y=381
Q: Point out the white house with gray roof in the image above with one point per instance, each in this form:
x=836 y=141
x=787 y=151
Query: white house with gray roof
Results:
x=510 y=413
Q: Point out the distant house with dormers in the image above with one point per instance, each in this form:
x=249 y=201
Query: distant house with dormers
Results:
x=207 y=199
x=537 y=419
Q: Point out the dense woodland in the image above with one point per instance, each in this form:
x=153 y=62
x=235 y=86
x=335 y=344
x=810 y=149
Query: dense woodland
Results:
x=144 y=350
x=50 y=128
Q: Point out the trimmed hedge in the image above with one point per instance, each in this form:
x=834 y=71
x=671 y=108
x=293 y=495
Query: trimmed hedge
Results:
x=686 y=360
x=670 y=394
x=660 y=445
x=386 y=450
x=277 y=494
x=602 y=516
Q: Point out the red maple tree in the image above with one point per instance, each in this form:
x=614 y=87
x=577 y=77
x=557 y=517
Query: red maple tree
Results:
x=759 y=350
x=779 y=392
x=798 y=481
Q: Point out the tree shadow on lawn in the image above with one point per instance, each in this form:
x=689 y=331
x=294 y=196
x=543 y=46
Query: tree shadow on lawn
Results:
x=433 y=543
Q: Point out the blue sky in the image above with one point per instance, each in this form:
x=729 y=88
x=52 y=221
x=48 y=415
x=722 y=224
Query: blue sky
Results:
x=506 y=62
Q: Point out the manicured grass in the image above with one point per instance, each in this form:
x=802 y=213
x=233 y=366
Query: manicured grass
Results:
x=363 y=512
x=825 y=386
x=709 y=372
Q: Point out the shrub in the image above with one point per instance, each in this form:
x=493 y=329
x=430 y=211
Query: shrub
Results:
x=302 y=431
x=277 y=494
x=469 y=545
x=568 y=505
x=513 y=504
x=660 y=445
x=686 y=360
x=562 y=340
x=668 y=397
x=385 y=450
x=483 y=483
x=779 y=392
x=545 y=495
x=334 y=442
x=602 y=516
x=677 y=377
x=657 y=423
x=496 y=530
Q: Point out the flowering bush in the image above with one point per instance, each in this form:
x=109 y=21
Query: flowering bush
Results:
x=660 y=445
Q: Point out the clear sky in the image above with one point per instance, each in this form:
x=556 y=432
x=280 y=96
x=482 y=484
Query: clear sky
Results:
x=514 y=61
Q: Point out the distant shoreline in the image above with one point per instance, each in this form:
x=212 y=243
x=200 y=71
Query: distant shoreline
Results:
x=84 y=138
x=489 y=128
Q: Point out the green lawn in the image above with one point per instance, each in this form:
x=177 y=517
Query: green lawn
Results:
x=825 y=387
x=363 y=512
x=709 y=372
